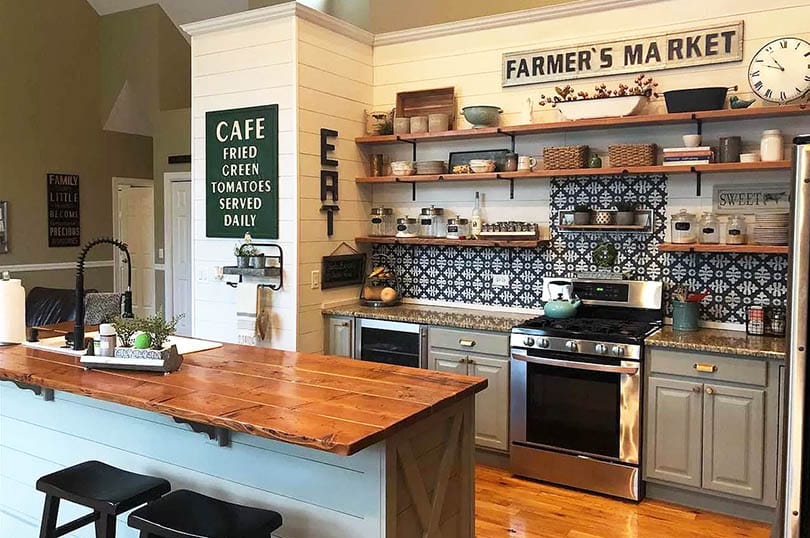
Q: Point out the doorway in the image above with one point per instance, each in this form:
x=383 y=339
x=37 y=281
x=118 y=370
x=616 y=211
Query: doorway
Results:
x=134 y=224
x=177 y=244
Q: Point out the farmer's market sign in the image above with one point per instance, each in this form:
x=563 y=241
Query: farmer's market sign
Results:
x=716 y=44
x=241 y=166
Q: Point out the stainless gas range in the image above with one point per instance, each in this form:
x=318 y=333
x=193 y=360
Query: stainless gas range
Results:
x=576 y=389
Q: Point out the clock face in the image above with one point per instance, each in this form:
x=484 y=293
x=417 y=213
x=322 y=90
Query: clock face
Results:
x=780 y=71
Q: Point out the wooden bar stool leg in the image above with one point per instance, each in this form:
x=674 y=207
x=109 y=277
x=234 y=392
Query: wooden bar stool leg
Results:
x=105 y=526
x=50 y=512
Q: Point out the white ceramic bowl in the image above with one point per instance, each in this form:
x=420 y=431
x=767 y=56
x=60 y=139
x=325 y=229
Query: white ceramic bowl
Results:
x=692 y=140
x=749 y=157
x=611 y=107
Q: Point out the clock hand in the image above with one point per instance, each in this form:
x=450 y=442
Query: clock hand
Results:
x=777 y=63
x=775 y=67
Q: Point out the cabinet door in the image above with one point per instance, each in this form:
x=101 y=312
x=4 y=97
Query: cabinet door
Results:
x=441 y=361
x=340 y=338
x=734 y=425
x=492 y=404
x=674 y=430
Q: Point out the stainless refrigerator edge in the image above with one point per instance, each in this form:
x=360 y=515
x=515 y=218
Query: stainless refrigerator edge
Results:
x=793 y=512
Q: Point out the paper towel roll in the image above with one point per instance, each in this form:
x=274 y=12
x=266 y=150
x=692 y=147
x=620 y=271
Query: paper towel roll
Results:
x=12 y=312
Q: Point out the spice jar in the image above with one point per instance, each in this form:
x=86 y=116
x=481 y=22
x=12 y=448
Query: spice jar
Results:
x=458 y=228
x=709 y=228
x=407 y=227
x=772 y=146
x=776 y=321
x=684 y=227
x=431 y=222
x=755 y=320
x=737 y=231
x=382 y=221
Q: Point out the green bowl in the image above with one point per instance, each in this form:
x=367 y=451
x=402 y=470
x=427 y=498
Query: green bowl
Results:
x=482 y=115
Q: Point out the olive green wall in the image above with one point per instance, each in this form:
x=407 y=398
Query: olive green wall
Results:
x=50 y=104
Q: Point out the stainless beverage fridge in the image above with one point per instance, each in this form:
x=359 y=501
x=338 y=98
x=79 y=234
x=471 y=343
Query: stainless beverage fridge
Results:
x=793 y=512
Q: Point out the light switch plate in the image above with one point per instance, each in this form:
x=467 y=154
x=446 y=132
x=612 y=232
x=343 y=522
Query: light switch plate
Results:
x=500 y=281
x=315 y=279
x=160 y=253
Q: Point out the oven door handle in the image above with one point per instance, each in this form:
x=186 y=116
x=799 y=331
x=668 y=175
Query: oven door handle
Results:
x=576 y=365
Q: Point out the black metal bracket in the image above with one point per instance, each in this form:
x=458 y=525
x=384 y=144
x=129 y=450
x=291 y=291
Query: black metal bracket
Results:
x=46 y=393
x=511 y=138
x=280 y=258
x=221 y=435
x=413 y=146
x=698 y=125
x=698 y=181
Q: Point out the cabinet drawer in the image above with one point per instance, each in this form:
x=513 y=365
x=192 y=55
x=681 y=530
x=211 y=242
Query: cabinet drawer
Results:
x=709 y=367
x=470 y=341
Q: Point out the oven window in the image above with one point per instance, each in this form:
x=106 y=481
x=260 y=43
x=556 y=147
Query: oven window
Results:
x=577 y=410
x=390 y=347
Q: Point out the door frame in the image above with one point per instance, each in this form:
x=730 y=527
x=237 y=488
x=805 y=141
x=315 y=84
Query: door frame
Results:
x=131 y=182
x=168 y=273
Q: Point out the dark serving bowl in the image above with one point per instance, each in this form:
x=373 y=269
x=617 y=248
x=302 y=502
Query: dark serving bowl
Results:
x=696 y=99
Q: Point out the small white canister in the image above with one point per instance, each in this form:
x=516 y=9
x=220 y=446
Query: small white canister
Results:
x=772 y=145
x=108 y=339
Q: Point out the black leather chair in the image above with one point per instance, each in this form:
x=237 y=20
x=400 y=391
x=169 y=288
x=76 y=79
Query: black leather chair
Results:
x=187 y=514
x=47 y=306
x=107 y=490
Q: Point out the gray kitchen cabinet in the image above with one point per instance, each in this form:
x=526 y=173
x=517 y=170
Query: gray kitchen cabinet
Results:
x=339 y=336
x=734 y=424
x=452 y=363
x=674 y=432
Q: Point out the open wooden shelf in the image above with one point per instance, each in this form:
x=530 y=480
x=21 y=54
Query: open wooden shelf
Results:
x=602 y=228
x=534 y=243
x=631 y=170
x=600 y=123
x=741 y=249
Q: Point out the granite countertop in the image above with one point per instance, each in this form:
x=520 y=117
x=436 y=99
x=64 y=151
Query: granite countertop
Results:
x=465 y=318
x=720 y=341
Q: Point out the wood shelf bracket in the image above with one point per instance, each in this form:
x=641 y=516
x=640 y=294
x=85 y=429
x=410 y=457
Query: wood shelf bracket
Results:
x=221 y=435
x=46 y=393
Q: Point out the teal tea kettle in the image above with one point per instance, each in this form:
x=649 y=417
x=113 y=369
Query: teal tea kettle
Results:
x=561 y=308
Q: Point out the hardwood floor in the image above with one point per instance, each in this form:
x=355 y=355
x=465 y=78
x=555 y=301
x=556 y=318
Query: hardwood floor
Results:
x=508 y=507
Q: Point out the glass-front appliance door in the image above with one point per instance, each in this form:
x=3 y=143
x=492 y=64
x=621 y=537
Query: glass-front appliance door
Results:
x=400 y=344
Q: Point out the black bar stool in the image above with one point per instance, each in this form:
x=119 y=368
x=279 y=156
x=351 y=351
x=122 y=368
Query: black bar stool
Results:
x=107 y=490
x=187 y=514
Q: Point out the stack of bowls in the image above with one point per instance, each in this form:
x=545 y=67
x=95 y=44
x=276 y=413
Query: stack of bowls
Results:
x=772 y=229
x=482 y=166
x=431 y=168
x=402 y=168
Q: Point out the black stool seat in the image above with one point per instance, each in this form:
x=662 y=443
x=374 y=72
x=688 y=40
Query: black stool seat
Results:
x=187 y=514
x=107 y=490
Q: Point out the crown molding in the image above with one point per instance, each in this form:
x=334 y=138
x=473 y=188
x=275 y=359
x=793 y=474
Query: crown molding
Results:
x=280 y=11
x=525 y=16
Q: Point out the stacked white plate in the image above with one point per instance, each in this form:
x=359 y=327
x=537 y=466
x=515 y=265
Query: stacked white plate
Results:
x=772 y=229
x=431 y=167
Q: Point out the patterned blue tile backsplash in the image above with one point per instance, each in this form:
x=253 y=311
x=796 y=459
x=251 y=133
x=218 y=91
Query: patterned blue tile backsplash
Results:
x=464 y=274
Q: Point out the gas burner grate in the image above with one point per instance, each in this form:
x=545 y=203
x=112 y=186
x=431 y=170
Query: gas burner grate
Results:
x=591 y=326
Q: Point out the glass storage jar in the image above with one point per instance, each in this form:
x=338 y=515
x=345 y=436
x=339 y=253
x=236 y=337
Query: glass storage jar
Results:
x=684 y=227
x=431 y=222
x=709 y=228
x=458 y=228
x=737 y=230
x=407 y=227
x=772 y=145
x=382 y=221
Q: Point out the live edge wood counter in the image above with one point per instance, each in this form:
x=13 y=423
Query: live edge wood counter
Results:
x=339 y=447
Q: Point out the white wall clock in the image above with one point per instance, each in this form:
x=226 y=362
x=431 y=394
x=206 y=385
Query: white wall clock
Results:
x=780 y=71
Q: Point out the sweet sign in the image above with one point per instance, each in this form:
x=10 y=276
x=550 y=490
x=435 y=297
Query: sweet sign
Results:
x=750 y=199
x=241 y=165
x=685 y=48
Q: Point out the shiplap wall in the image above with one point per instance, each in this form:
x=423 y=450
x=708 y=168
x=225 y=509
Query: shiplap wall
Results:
x=246 y=65
x=334 y=91
x=471 y=62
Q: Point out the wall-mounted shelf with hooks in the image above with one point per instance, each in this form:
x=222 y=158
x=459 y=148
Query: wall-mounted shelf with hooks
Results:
x=275 y=270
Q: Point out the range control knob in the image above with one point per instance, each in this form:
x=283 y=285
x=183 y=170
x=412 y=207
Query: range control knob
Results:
x=600 y=348
x=619 y=351
x=571 y=345
x=528 y=341
x=543 y=342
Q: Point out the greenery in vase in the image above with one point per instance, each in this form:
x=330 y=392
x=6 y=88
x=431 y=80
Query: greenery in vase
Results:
x=641 y=86
x=126 y=329
x=625 y=207
x=245 y=250
x=160 y=328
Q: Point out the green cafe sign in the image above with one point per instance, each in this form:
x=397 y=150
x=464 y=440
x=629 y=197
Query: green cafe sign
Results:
x=241 y=168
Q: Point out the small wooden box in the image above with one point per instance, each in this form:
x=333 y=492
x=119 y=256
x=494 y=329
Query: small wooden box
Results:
x=424 y=102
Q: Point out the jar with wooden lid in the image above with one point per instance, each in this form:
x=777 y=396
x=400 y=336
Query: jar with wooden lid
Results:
x=381 y=220
x=709 y=229
x=737 y=230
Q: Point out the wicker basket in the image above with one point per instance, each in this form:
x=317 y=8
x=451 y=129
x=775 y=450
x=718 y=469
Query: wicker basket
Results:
x=632 y=154
x=565 y=157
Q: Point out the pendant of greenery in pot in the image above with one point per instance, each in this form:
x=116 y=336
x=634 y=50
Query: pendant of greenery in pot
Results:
x=160 y=328
x=582 y=215
x=625 y=213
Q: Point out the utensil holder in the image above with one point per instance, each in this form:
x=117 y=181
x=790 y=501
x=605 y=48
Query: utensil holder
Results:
x=685 y=316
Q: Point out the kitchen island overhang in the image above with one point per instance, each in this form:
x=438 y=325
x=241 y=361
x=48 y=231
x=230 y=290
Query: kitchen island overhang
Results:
x=292 y=417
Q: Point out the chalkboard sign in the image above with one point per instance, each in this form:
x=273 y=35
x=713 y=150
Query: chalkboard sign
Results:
x=64 y=223
x=241 y=169
x=342 y=270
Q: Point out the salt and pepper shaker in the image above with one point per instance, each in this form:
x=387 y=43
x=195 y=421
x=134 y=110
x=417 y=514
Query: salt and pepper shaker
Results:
x=107 y=340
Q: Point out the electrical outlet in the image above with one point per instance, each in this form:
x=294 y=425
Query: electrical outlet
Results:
x=315 y=279
x=160 y=254
x=500 y=281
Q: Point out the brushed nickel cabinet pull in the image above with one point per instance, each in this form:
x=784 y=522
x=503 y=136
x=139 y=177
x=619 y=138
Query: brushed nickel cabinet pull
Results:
x=466 y=343
x=705 y=367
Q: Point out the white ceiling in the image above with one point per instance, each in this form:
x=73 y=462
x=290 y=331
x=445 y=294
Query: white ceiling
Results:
x=179 y=11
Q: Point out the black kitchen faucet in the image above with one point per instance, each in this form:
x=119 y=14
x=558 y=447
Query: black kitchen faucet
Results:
x=78 y=328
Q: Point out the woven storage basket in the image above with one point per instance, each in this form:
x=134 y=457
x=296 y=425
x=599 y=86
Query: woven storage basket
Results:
x=632 y=154
x=563 y=157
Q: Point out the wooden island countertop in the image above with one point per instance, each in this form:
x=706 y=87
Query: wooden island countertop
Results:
x=327 y=403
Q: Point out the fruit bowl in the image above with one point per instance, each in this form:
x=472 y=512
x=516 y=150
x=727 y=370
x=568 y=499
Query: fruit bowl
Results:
x=482 y=115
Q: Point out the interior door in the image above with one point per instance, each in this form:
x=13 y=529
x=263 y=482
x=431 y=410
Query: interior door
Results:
x=136 y=225
x=181 y=254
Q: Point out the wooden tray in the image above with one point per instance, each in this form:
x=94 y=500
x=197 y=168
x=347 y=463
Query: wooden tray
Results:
x=424 y=102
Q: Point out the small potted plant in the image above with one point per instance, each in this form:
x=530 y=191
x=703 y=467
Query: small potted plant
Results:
x=625 y=213
x=582 y=214
x=244 y=252
x=160 y=328
x=153 y=331
x=126 y=328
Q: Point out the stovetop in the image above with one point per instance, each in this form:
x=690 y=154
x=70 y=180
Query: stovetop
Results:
x=589 y=328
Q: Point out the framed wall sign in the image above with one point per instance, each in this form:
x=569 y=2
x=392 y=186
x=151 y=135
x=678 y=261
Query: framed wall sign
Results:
x=241 y=168
x=3 y=227
x=342 y=270
x=64 y=219
x=749 y=199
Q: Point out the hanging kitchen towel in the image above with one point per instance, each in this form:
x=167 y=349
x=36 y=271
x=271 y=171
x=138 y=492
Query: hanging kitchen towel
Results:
x=246 y=301
x=264 y=308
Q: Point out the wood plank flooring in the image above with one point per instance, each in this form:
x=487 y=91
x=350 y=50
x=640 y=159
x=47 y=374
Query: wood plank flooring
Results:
x=508 y=507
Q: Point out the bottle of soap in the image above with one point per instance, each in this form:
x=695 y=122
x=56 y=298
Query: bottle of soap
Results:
x=475 y=220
